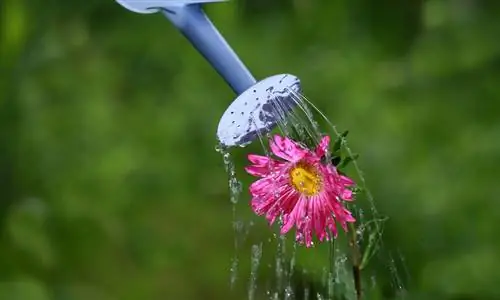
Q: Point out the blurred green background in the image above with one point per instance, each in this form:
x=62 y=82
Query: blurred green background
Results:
x=111 y=187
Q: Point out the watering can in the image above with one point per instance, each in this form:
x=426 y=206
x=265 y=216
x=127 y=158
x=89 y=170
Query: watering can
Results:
x=259 y=106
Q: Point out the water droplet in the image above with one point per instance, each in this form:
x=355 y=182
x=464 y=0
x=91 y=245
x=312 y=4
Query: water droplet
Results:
x=288 y=293
x=234 y=271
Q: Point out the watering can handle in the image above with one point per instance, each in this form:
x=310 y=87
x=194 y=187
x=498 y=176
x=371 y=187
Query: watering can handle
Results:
x=194 y=24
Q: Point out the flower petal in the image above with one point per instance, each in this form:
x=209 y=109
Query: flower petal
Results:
x=348 y=216
x=318 y=217
x=262 y=204
x=332 y=227
x=263 y=185
x=258 y=171
x=287 y=149
x=346 y=181
x=323 y=146
x=346 y=195
x=292 y=218
x=259 y=160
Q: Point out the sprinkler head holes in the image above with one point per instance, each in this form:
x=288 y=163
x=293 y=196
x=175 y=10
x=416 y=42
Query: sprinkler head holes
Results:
x=258 y=109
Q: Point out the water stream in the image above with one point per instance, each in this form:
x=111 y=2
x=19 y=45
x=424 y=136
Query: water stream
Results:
x=292 y=280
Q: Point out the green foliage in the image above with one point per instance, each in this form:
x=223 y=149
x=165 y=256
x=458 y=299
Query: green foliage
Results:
x=111 y=187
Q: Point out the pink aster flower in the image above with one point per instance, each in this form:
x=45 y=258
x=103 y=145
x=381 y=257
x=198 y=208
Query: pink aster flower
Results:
x=300 y=187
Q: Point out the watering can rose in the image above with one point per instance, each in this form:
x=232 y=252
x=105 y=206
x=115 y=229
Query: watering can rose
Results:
x=308 y=193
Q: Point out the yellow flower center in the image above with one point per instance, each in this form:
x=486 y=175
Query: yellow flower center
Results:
x=306 y=179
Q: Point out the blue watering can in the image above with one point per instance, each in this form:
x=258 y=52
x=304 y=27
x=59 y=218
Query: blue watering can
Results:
x=260 y=105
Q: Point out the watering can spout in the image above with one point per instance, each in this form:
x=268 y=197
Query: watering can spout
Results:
x=190 y=19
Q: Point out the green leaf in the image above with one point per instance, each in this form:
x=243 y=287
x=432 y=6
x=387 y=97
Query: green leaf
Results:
x=336 y=160
x=347 y=160
x=340 y=140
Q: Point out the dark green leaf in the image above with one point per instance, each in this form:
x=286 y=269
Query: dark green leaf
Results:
x=347 y=160
x=339 y=141
x=336 y=160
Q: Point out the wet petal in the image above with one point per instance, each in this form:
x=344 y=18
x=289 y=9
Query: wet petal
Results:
x=259 y=160
x=263 y=185
x=262 y=204
x=289 y=200
x=292 y=218
x=346 y=180
x=332 y=227
x=258 y=171
x=348 y=217
x=332 y=170
x=347 y=195
x=303 y=221
x=273 y=212
x=262 y=165
x=307 y=231
x=285 y=148
x=322 y=148
x=318 y=218
x=288 y=222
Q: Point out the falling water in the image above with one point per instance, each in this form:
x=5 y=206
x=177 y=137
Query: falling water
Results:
x=337 y=279
x=256 y=256
x=234 y=195
x=371 y=226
